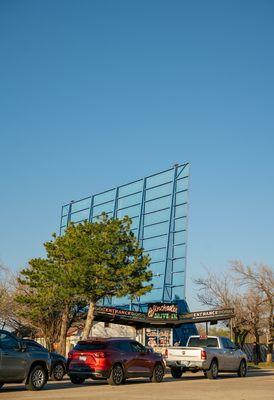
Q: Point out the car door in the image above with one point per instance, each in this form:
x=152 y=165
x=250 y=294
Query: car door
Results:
x=229 y=355
x=13 y=360
x=124 y=353
x=235 y=356
x=141 y=359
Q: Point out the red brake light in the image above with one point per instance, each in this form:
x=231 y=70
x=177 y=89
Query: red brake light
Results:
x=69 y=355
x=166 y=353
x=203 y=354
x=99 y=354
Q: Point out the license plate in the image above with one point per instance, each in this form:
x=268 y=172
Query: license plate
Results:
x=82 y=358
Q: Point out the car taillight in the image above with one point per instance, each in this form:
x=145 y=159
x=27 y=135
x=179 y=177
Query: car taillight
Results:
x=69 y=355
x=166 y=353
x=99 y=354
x=203 y=354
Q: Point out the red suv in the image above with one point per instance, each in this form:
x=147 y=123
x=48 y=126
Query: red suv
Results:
x=114 y=359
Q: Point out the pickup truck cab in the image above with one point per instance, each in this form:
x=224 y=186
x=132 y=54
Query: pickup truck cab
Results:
x=210 y=354
x=20 y=364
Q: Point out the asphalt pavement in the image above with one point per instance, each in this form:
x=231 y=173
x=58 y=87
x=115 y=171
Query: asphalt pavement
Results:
x=259 y=384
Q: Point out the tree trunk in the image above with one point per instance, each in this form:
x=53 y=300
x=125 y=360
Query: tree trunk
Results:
x=63 y=331
x=49 y=343
x=89 y=321
x=242 y=337
x=236 y=336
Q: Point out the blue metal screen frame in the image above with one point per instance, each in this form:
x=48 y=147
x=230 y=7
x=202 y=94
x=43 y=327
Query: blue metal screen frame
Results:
x=170 y=281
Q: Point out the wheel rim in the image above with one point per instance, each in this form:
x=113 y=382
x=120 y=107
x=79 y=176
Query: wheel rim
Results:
x=117 y=374
x=58 y=371
x=159 y=372
x=214 y=369
x=38 y=378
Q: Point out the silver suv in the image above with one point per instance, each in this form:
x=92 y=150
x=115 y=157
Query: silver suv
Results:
x=20 y=364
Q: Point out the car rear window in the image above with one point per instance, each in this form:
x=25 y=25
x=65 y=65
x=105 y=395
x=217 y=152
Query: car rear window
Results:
x=90 y=346
x=203 y=342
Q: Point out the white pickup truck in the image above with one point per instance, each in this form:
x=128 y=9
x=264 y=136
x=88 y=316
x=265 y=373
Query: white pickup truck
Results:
x=210 y=354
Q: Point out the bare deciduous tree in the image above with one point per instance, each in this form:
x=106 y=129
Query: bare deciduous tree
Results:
x=260 y=278
x=5 y=296
x=221 y=292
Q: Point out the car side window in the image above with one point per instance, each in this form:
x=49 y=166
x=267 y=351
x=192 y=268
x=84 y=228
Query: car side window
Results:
x=35 y=347
x=8 y=342
x=123 y=346
x=137 y=347
x=228 y=344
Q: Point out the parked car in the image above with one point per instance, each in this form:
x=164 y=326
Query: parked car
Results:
x=113 y=359
x=18 y=363
x=58 y=363
x=210 y=354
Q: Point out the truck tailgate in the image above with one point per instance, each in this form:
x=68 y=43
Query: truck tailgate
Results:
x=184 y=354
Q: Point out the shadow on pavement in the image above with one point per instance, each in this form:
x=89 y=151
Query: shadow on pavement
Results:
x=66 y=384
x=232 y=375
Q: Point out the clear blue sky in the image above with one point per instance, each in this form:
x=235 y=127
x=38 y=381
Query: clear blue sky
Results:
x=98 y=93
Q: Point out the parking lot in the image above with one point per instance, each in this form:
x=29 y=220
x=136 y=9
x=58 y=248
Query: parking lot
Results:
x=257 y=385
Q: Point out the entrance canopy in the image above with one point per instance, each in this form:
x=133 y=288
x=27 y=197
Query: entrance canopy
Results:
x=159 y=315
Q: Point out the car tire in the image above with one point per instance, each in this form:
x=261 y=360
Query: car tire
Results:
x=1 y=385
x=242 y=370
x=77 y=380
x=212 y=373
x=158 y=373
x=37 y=378
x=117 y=375
x=58 y=372
x=176 y=372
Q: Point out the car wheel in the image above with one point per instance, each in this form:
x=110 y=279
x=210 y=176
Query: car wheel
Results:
x=1 y=385
x=37 y=378
x=212 y=373
x=176 y=372
x=117 y=375
x=242 y=370
x=58 y=372
x=158 y=373
x=77 y=380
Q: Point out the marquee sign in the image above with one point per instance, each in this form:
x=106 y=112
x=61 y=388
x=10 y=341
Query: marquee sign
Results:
x=209 y=315
x=159 y=314
x=162 y=311
x=118 y=312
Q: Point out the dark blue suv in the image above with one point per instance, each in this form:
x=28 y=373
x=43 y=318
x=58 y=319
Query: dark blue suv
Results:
x=20 y=364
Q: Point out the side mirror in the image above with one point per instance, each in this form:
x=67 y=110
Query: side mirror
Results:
x=149 y=350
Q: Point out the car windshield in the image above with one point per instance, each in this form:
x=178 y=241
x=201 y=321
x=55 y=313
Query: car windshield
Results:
x=89 y=346
x=203 y=342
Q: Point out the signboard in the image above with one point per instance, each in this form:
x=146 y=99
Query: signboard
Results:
x=119 y=312
x=159 y=314
x=162 y=311
x=158 y=337
x=208 y=315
